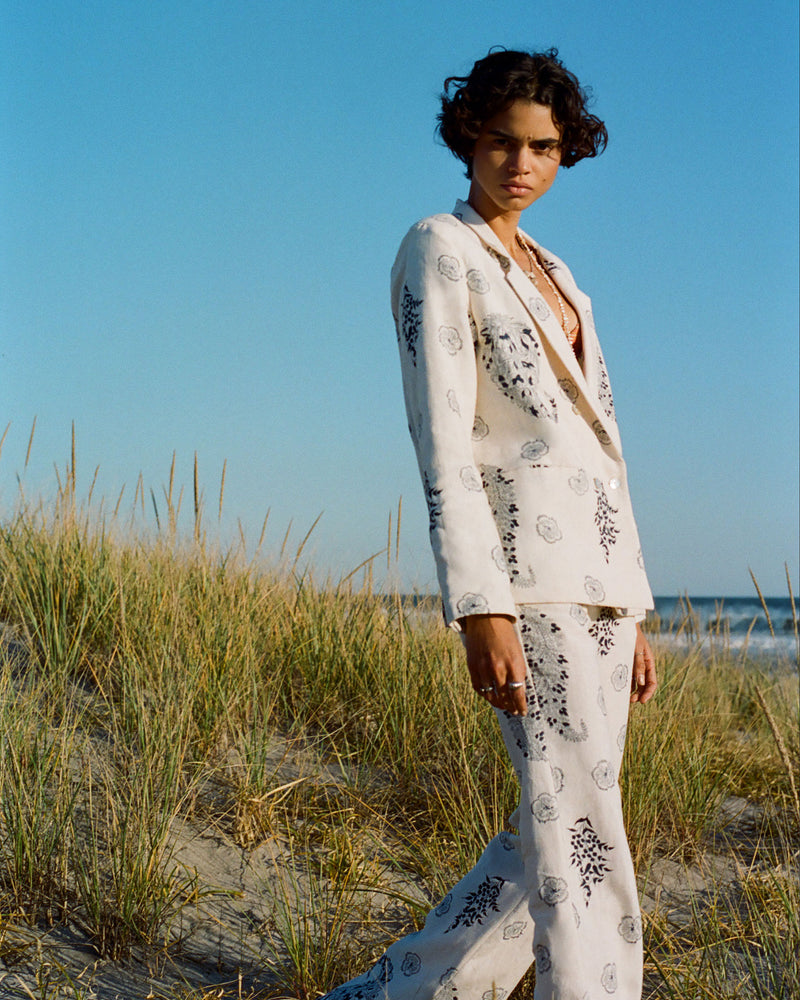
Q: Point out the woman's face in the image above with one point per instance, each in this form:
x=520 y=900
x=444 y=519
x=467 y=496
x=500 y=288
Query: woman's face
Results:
x=515 y=160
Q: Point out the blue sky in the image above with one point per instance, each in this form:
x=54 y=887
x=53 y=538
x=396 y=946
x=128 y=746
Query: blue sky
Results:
x=201 y=202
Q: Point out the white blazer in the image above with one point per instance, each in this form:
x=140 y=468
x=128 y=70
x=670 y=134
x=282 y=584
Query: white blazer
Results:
x=517 y=443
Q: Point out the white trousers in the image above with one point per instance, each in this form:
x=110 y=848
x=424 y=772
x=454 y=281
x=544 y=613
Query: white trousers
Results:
x=561 y=892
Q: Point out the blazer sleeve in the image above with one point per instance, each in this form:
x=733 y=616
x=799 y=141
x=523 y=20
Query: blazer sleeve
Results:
x=430 y=303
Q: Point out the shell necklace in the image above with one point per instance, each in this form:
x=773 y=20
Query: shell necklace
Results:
x=537 y=268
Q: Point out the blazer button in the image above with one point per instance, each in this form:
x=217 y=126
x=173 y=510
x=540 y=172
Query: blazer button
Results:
x=613 y=484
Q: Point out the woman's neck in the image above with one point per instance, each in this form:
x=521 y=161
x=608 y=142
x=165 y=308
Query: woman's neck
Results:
x=503 y=224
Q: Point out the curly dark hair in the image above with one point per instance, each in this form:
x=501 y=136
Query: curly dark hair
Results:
x=505 y=76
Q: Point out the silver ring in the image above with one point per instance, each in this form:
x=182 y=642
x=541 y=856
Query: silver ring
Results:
x=513 y=685
x=484 y=690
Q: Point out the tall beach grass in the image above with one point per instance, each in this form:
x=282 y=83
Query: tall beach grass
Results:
x=141 y=668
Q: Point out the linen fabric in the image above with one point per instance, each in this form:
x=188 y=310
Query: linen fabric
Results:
x=517 y=441
x=561 y=892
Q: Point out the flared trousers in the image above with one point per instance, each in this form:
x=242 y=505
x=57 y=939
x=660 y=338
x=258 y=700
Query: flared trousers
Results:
x=560 y=892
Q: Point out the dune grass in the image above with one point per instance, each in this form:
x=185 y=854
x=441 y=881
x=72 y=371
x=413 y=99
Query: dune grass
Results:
x=138 y=668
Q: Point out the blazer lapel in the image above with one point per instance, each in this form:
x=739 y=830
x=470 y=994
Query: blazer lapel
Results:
x=586 y=379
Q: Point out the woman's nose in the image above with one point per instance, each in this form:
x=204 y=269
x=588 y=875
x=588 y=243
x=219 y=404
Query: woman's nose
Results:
x=520 y=161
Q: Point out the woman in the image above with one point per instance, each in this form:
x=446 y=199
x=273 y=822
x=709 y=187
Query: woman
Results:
x=538 y=558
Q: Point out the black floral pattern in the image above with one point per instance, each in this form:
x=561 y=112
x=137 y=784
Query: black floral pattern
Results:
x=501 y=493
x=548 y=675
x=590 y=855
x=410 y=322
x=604 y=388
x=434 y=502
x=510 y=353
x=604 y=519
x=478 y=903
x=602 y=630
x=359 y=990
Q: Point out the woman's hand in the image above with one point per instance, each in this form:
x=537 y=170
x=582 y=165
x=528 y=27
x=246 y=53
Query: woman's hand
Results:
x=643 y=681
x=496 y=662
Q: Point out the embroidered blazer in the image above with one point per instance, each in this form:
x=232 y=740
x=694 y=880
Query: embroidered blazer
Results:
x=517 y=442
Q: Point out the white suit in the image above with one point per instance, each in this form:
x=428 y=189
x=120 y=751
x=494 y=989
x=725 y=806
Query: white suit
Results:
x=520 y=460
x=517 y=443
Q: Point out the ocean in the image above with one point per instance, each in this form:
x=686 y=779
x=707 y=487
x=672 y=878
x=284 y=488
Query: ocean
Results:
x=735 y=623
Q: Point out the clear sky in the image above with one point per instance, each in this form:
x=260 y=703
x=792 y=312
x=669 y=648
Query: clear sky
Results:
x=201 y=202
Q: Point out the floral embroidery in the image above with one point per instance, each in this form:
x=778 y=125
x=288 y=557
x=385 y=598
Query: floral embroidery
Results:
x=432 y=498
x=480 y=902
x=619 y=676
x=444 y=906
x=450 y=267
x=547 y=527
x=604 y=519
x=543 y=963
x=600 y=431
x=630 y=929
x=450 y=339
x=479 y=429
x=473 y=604
x=558 y=778
x=410 y=322
x=579 y=614
x=532 y=451
x=602 y=630
x=539 y=308
x=510 y=353
x=601 y=701
x=569 y=389
x=579 y=483
x=411 y=964
x=512 y=931
x=370 y=990
x=608 y=980
x=594 y=589
x=476 y=281
x=502 y=497
x=499 y=558
x=545 y=807
x=604 y=388
x=546 y=684
x=590 y=855
x=553 y=890
x=452 y=401
x=603 y=775
x=623 y=732
x=470 y=479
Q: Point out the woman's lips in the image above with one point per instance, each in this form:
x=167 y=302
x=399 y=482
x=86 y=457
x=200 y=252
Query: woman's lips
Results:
x=519 y=189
